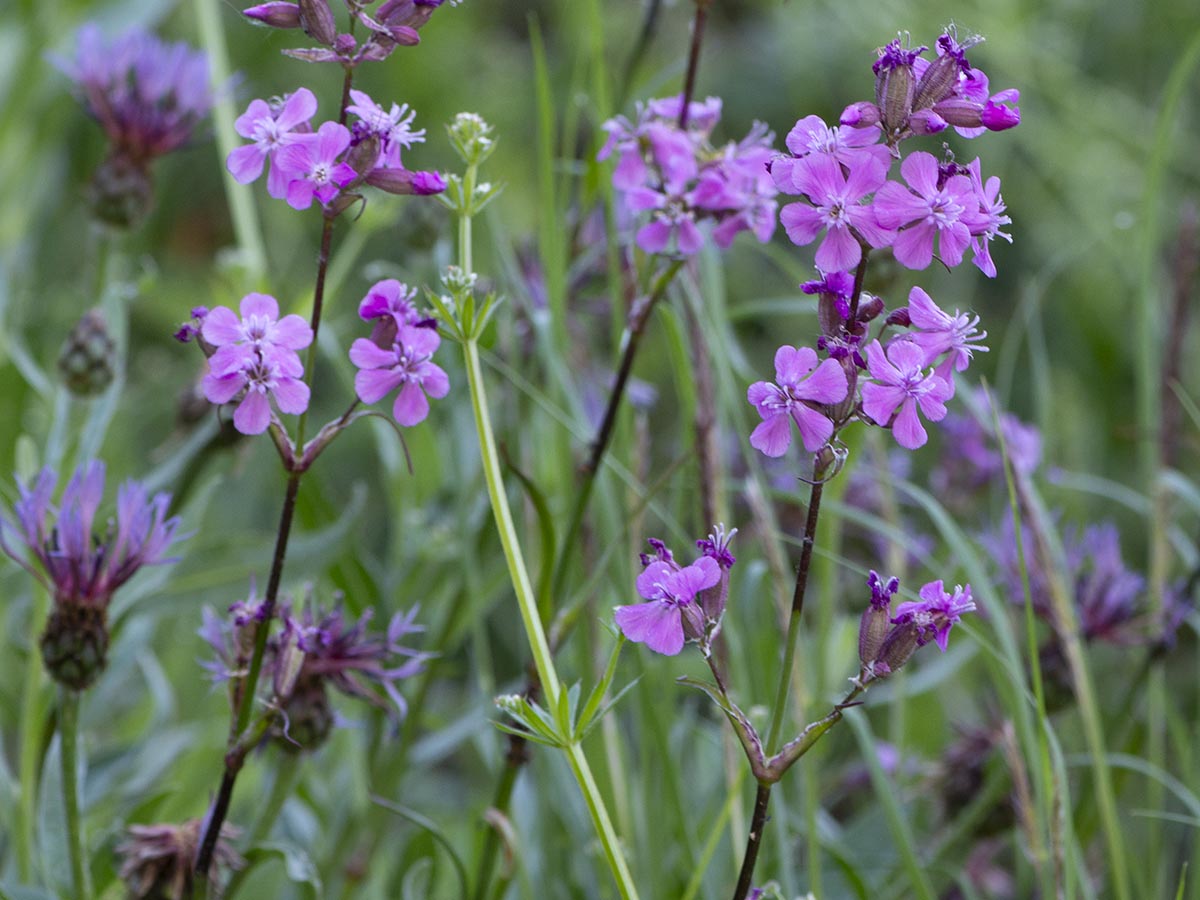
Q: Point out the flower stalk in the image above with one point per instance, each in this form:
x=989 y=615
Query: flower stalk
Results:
x=68 y=733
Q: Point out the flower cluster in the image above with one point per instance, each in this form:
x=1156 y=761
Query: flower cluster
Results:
x=398 y=353
x=672 y=171
x=886 y=641
x=321 y=164
x=315 y=650
x=148 y=96
x=255 y=357
x=683 y=602
x=81 y=563
x=394 y=24
x=941 y=209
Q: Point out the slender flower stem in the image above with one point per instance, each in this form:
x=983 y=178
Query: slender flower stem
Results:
x=689 y=83
x=534 y=632
x=68 y=732
x=757 y=823
x=33 y=713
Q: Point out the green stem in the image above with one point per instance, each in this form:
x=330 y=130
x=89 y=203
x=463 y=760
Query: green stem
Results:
x=68 y=732
x=534 y=632
x=287 y=770
x=33 y=714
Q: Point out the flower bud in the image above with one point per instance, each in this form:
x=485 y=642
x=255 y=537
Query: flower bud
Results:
x=88 y=358
x=938 y=83
x=925 y=122
x=693 y=620
x=471 y=137
x=121 y=193
x=869 y=307
x=402 y=181
x=75 y=644
x=1000 y=116
x=959 y=112
x=894 y=87
x=861 y=115
x=899 y=317
x=309 y=717
x=277 y=14
x=316 y=18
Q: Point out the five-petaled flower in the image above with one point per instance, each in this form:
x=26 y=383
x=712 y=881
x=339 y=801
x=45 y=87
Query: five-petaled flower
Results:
x=934 y=208
x=406 y=364
x=937 y=332
x=271 y=126
x=800 y=382
x=935 y=613
x=311 y=165
x=901 y=381
x=671 y=592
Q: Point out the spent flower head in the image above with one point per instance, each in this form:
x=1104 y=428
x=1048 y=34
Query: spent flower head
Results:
x=158 y=861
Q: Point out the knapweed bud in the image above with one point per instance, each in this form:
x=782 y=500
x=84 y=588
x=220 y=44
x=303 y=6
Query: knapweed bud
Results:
x=121 y=192
x=876 y=618
x=308 y=717
x=157 y=861
x=88 y=358
x=278 y=14
x=316 y=18
x=75 y=644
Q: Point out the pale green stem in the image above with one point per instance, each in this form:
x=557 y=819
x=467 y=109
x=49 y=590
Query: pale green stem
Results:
x=535 y=634
x=32 y=714
x=68 y=732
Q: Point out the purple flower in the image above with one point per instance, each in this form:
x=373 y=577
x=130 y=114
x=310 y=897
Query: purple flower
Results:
x=671 y=592
x=390 y=302
x=986 y=224
x=939 y=332
x=737 y=189
x=256 y=354
x=810 y=135
x=405 y=364
x=931 y=209
x=839 y=286
x=392 y=127
x=77 y=559
x=837 y=209
x=147 y=95
x=935 y=613
x=271 y=126
x=310 y=165
x=901 y=381
x=797 y=385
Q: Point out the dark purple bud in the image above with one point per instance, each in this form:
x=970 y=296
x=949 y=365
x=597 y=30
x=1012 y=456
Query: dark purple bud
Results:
x=861 y=115
x=364 y=155
x=926 y=121
x=869 y=307
x=405 y=12
x=316 y=18
x=344 y=45
x=999 y=116
x=277 y=14
x=404 y=35
x=899 y=317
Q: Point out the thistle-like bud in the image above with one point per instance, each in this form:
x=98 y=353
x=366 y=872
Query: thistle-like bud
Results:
x=75 y=644
x=121 y=192
x=88 y=358
x=308 y=717
x=157 y=861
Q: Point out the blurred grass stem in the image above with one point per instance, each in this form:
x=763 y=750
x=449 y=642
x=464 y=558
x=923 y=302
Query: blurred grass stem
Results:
x=68 y=732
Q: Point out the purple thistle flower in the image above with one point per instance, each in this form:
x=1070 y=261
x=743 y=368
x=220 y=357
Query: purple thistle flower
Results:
x=405 y=364
x=62 y=547
x=271 y=126
x=799 y=382
x=392 y=127
x=931 y=209
x=936 y=612
x=310 y=165
x=939 y=332
x=147 y=95
x=671 y=592
x=901 y=382
x=837 y=209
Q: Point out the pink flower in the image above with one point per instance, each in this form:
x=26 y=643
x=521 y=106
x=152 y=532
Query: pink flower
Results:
x=259 y=329
x=671 y=592
x=849 y=146
x=935 y=613
x=987 y=223
x=797 y=386
x=939 y=332
x=271 y=127
x=930 y=210
x=901 y=382
x=406 y=365
x=310 y=165
x=392 y=127
x=837 y=209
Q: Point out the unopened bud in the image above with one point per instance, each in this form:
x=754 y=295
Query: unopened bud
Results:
x=869 y=307
x=75 y=644
x=861 y=115
x=999 y=116
x=693 y=621
x=88 y=358
x=278 y=14
x=364 y=155
x=121 y=192
x=471 y=137
x=925 y=122
x=899 y=317
x=402 y=181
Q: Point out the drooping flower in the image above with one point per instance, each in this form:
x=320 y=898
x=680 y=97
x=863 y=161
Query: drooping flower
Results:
x=271 y=126
x=81 y=563
x=800 y=381
x=158 y=861
x=901 y=381
x=313 y=166
x=672 y=607
x=931 y=207
x=836 y=206
x=406 y=364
